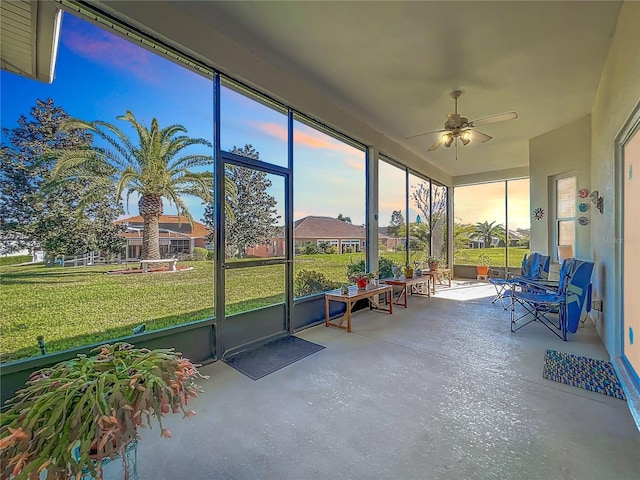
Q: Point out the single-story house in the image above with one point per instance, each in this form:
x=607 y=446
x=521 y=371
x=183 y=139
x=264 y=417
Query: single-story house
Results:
x=178 y=236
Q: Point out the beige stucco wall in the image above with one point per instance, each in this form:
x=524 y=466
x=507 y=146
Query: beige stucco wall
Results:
x=566 y=150
x=618 y=95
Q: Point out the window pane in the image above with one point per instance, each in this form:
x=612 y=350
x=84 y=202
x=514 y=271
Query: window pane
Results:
x=419 y=220
x=392 y=203
x=329 y=209
x=253 y=287
x=566 y=197
x=519 y=220
x=246 y=121
x=479 y=223
x=438 y=224
x=566 y=232
x=70 y=300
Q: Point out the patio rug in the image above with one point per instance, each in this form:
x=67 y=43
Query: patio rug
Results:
x=583 y=372
x=272 y=356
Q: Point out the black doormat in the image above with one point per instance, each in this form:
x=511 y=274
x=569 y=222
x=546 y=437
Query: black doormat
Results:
x=273 y=356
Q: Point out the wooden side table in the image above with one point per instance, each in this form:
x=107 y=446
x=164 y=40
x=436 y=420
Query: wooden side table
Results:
x=350 y=299
x=438 y=276
x=416 y=285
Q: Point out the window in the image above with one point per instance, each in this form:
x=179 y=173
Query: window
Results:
x=565 y=212
x=118 y=75
x=480 y=221
x=392 y=211
x=328 y=206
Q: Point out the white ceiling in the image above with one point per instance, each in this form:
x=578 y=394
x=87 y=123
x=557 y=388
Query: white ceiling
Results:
x=393 y=64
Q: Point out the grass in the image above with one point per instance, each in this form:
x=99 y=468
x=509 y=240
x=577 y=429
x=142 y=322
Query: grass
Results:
x=15 y=259
x=73 y=306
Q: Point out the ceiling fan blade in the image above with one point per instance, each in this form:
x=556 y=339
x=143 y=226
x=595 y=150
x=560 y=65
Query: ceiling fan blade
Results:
x=424 y=133
x=477 y=136
x=439 y=142
x=500 y=117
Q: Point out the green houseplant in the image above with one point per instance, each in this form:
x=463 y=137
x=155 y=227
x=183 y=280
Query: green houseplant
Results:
x=72 y=416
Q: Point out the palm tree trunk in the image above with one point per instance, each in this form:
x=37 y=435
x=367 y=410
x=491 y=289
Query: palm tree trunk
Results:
x=150 y=238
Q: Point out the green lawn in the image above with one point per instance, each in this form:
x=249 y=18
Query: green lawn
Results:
x=75 y=306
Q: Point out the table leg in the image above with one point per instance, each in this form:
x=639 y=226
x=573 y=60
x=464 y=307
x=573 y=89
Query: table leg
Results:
x=326 y=312
x=349 y=306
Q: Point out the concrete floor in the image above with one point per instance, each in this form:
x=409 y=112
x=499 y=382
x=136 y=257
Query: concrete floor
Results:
x=441 y=390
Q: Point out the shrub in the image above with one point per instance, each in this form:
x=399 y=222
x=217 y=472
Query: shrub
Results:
x=331 y=249
x=200 y=253
x=384 y=267
x=311 y=249
x=210 y=255
x=308 y=282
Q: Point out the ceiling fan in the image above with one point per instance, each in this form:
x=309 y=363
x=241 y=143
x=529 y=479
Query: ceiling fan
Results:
x=459 y=127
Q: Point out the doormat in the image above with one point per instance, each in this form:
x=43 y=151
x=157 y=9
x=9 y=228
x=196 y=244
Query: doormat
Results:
x=583 y=372
x=273 y=356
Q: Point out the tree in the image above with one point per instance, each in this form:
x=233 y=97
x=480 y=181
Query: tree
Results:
x=344 y=219
x=395 y=224
x=488 y=231
x=155 y=167
x=462 y=233
x=56 y=220
x=255 y=217
x=432 y=204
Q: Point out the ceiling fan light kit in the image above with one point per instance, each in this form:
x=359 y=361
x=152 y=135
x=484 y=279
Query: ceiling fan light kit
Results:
x=459 y=127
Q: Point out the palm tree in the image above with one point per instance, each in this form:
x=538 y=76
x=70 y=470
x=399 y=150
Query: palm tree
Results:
x=488 y=231
x=155 y=168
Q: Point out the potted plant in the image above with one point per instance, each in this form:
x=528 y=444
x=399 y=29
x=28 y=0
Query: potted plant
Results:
x=408 y=271
x=361 y=279
x=433 y=263
x=483 y=264
x=74 y=415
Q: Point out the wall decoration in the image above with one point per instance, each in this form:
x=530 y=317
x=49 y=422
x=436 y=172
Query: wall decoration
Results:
x=583 y=193
x=583 y=220
x=583 y=207
x=594 y=197
x=538 y=213
x=600 y=204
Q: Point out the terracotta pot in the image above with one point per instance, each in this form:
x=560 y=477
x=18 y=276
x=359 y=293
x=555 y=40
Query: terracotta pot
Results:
x=482 y=269
x=433 y=265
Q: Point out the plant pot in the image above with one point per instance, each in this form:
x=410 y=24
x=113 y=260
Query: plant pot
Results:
x=482 y=269
x=408 y=273
x=361 y=283
x=433 y=265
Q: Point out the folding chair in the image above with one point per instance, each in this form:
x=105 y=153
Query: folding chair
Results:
x=532 y=267
x=558 y=310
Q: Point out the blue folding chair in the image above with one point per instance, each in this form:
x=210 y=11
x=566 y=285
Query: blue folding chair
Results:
x=558 y=310
x=534 y=267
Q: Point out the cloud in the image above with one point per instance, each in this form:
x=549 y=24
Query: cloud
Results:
x=106 y=49
x=309 y=138
x=355 y=164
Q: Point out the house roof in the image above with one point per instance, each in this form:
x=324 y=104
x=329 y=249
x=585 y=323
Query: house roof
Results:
x=197 y=229
x=327 y=228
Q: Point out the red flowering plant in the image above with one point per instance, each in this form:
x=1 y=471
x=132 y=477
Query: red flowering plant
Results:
x=72 y=416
